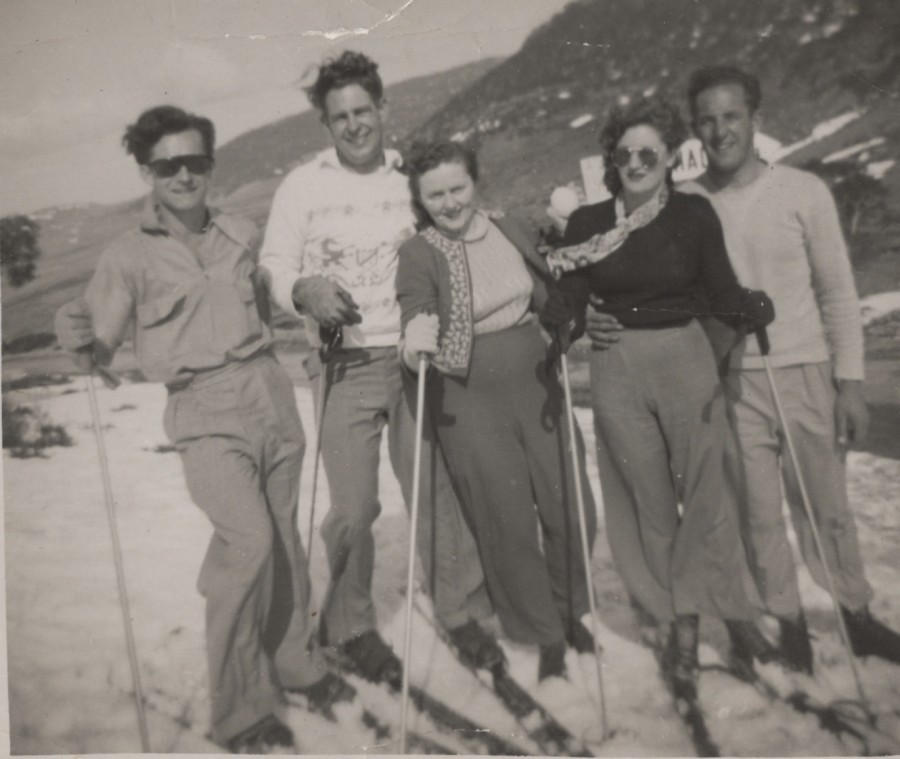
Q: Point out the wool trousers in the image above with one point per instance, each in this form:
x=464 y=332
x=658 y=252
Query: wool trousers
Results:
x=671 y=519
x=241 y=444
x=366 y=394
x=763 y=463
x=503 y=434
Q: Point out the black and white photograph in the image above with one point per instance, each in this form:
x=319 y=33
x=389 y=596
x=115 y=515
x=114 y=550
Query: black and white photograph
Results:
x=486 y=377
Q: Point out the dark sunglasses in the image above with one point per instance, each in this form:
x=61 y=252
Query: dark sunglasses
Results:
x=648 y=157
x=169 y=167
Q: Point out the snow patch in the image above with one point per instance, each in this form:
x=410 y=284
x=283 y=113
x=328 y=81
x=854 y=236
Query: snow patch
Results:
x=580 y=121
x=873 y=307
x=840 y=155
x=821 y=131
x=878 y=169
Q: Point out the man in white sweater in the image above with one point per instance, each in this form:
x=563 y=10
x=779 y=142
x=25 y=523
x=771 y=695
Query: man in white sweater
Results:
x=784 y=237
x=330 y=253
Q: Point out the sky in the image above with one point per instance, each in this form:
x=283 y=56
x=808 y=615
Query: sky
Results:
x=74 y=73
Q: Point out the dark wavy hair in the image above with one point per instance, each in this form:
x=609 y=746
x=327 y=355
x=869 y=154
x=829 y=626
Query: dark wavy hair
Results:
x=348 y=68
x=713 y=76
x=155 y=123
x=654 y=111
x=422 y=157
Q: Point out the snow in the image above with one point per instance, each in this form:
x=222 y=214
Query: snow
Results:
x=881 y=304
x=877 y=169
x=840 y=155
x=821 y=131
x=580 y=121
x=69 y=678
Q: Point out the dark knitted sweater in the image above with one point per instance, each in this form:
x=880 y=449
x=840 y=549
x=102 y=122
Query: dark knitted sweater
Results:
x=664 y=274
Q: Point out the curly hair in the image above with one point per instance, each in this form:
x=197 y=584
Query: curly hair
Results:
x=713 y=76
x=349 y=68
x=422 y=157
x=155 y=123
x=654 y=111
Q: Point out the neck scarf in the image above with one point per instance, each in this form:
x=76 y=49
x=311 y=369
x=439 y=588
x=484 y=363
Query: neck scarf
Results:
x=602 y=244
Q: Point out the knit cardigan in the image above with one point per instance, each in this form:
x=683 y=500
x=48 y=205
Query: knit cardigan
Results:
x=433 y=277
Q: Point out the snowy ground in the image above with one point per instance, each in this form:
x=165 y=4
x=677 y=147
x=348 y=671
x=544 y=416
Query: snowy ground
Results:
x=69 y=680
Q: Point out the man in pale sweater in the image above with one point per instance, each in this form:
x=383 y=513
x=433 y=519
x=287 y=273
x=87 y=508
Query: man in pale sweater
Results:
x=330 y=251
x=784 y=236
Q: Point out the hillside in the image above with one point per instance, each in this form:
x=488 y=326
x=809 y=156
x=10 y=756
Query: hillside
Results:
x=248 y=169
x=273 y=149
x=534 y=116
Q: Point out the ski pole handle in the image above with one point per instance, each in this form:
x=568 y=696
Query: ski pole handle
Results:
x=762 y=338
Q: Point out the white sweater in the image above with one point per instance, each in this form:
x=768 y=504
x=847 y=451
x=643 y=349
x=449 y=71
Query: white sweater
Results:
x=784 y=236
x=328 y=220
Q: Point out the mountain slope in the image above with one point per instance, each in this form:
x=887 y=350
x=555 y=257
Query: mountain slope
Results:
x=248 y=170
x=816 y=59
x=273 y=149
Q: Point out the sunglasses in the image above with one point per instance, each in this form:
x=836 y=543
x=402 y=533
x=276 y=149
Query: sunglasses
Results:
x=648 y=157
x=169 y=167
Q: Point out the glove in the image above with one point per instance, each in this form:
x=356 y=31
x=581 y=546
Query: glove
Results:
x=420 y=336
x=325 y=301
x=73 y=325
x=757 y=310
x=557 y=311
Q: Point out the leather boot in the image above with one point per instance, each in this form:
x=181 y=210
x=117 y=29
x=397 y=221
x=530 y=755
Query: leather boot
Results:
x=748 y=643
x=869 y=637
x=794 y=643
x=681 y=663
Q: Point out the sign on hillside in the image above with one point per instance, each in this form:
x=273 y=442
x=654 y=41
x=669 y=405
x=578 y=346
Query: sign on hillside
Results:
x=692 y=165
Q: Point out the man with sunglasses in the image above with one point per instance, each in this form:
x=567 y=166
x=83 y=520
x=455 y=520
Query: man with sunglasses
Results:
x=330 y=250
x=183 y=286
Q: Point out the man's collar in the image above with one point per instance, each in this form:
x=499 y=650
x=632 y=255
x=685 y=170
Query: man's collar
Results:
x=153 y=222
x=328 y=158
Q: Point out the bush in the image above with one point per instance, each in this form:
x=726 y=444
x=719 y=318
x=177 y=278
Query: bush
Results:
x=27 y=431
x=19 y=249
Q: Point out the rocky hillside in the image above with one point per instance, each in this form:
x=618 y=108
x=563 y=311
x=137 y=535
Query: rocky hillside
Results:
x=830 y=71
x=536 y=114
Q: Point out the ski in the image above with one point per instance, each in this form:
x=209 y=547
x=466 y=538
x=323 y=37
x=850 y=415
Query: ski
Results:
x=477 y=738
x=691 y=713
x=839 y=718
x=540 y=726
x=388 y=741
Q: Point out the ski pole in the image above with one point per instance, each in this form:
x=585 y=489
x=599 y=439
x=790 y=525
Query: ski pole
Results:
x=331 y=341
x=413 y=526
x=582 y=520
x=117 y=554
x=762 y=338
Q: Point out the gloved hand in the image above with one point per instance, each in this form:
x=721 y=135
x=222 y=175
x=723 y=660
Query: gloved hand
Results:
x=73 y=325
x=325 y=301
x=420 y=336
x=557 y=311
x=603 y=329
x=757 y=310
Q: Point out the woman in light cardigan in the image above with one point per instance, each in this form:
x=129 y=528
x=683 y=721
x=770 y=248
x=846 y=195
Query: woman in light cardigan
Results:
x=469 y=286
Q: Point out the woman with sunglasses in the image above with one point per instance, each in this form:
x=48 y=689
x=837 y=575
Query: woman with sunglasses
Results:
x=468 y=286
x=656 y=258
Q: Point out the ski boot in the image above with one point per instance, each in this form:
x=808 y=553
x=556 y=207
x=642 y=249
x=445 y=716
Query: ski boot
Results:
x=794 y=643
x=579 y=637
x=477 y=648
x=322 y=696
x=552 y=660
x=748 y=643
x=680 y=663
x=268 y=736
x=373 y=659
x=869 y=637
